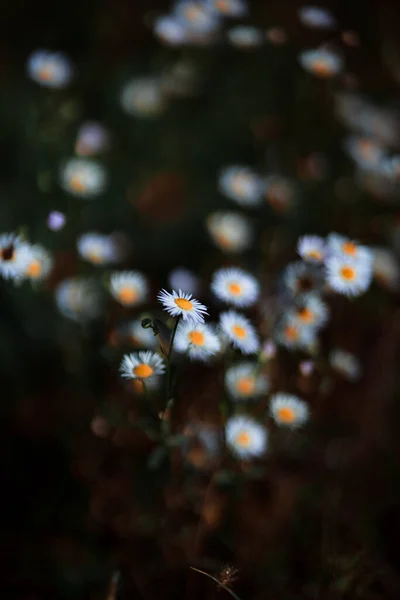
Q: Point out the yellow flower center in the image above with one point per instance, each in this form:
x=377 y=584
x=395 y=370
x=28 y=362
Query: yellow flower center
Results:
x=223 y=240
x=291 y=333
x=322 y=68
x=243 y=439
x=77 y=184
x=127 y=295
x=143 y=371
x=286 y=414
x=222 y=5
x=316 y=254
x=239 y=331
x=239 y=184
x=349 y=248
x=246 y=385
x=46 y=73
x=235 y=289
x=366 y=149
x=193 y=13
x=95 y=257
x=197 y=338
x=306 y=315
x=184 y=304
x=348 y=273
x=34 y=269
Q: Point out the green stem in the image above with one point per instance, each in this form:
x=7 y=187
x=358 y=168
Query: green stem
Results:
x=171 y=347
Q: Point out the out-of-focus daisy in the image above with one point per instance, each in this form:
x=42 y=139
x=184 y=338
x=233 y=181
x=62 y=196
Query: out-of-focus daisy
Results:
x=14 y=251
x=56 y=220
x=179 y=304
x=311 y=248
x=92 y=139
x=50 y=69
x=268 y=350
x=386 y=269
x=293 y=335
x=198 y=340
x=288 y=410
x=300 y=277
x=235 y=286
x=143 y=97
x=170 y=30
x=83 y=177
x=365 y=151
x=276 y=35
x=346 y=364
x=78 y=299
x=142 y=365
x=228 y=8
x=129 y=288
x=231 y=231
x=243 y=381
x=347 y=276
x=240 y=332
x=316 y=17
x=38 y=263
x=245 y=436
x=245 y=37
x=279 y=192
x=321 y=62
x=310 y=311
x=242 y=185
x=185 y=280
x=196 y=16
x=97 y=248
x=338 y=245
x=140 y=336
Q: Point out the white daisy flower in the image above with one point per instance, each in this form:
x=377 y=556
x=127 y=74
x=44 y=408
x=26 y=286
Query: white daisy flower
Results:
x=240 y=332
x=338 y=245
x=365 y=151
x=386 y=269
x=310 y=311
x=170 y=30
x=230 y=231
x=38 y=263
x=14 y=251
x=97 y=248
x=185 y=280
x=196 y=16
x=311 y=248
x=245 y=36
x=142 y=365
x=143 y=97
x=245 y=437
x=321 y=62
x=50 y=69
x=198 y=340
x=243 y=381
x=83 y=177
x=78 y=299
x=129 y=288
x=288 y=410
x=92 y=138
x=346 y=364
x=229 y=8
x=300 y=277
x=141 y=337
x=347 y=276
x=242 y=185
x=182 y=305
x=293 y=335
x=235 y=286
x=316 y=17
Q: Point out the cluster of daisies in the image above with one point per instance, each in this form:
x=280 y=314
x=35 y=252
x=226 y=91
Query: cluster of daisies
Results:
x=20 y=260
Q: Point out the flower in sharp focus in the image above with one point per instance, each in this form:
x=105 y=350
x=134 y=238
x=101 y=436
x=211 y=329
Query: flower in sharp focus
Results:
x=348 y=276
x=345 y=363
x=245 y=437
x=143 y=97
x=230 y=231
x=38 y=263
x=92 y=138
x=97 y=248
x=245 y=37
x=244 y=381
x=316 y=17
x=178 y=304
x=14 y=251
x=321 y=62
x=142 y=365
x=242 y=185
x=82 y=177
x=50 y=69
x=198 y=340
x=234 y=286
x=240 y=332
x=288 y=410
x=78 y=299
x=129 y=288
x=311 y=248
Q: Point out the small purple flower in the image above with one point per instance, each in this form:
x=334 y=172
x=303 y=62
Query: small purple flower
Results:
x=56 y=220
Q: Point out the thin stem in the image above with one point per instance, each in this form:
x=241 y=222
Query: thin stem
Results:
x=171 y=346
x=218 y=582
